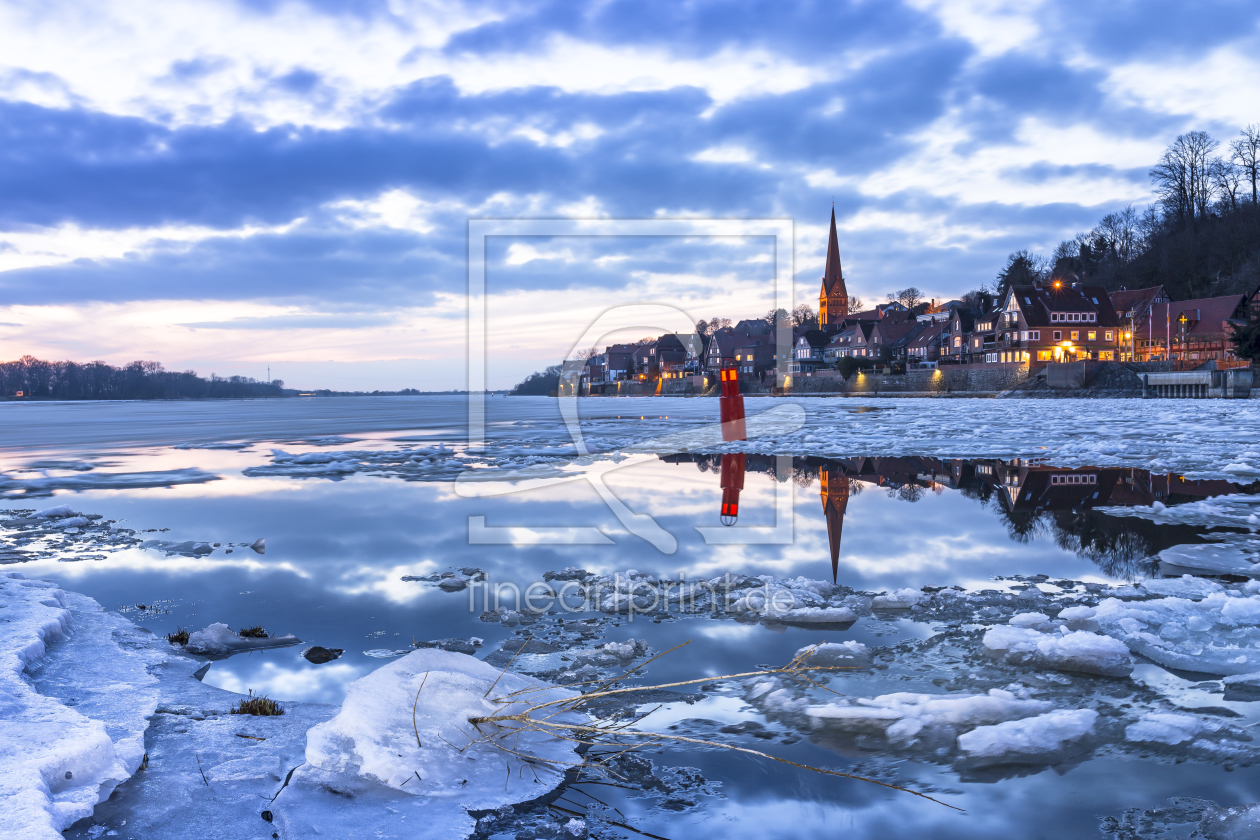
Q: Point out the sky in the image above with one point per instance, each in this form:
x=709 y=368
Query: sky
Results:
x=235 y=186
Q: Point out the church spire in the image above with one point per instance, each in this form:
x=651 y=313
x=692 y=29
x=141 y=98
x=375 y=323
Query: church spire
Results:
x=833 y=299
x=833 y=272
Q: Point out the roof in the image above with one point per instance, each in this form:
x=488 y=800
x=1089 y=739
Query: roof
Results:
x=754 y=326
x=1127 y=299
x=865 y=315
x=1037 y=302
x=966 y=319
x=728 y=339
x=926 y=336
x=833 y=273
x=894 y=332
x=815 y=338
x=1205 y=316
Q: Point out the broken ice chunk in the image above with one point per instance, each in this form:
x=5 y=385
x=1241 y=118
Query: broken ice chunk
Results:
x=1030 y=741
x=218 y=641
x=1167 y=728
x=1080 y=651
x=902 y=599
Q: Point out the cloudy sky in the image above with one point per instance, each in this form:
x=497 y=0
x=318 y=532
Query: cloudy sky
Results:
x=231 y=185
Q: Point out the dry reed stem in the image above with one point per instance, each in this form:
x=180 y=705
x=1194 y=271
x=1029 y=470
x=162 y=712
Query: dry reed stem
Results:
x=569 y=731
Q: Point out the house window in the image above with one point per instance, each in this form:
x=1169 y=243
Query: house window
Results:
x=1093 y=335
x=1109 y=335
x=1058 y=335
x=1076 y=336
x=958 y=341
x=1034 y=335
x=977 y=342
x=1023 y=335
x=1043 y=355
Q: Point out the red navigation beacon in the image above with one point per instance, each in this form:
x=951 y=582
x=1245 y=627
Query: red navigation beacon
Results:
x=731 y=405
x=732 y=483
x=731 y=411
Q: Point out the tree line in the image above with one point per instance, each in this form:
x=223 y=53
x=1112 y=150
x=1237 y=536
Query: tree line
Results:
x=1200 y=238
x=37 y=378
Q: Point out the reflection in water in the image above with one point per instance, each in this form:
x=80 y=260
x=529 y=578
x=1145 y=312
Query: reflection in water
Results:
x=1033 y=498
x=834 y=489
x=733 y=466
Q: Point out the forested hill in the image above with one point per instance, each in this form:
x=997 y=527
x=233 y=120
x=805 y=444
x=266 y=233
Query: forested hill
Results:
x=36 y=378
x=1201 y=238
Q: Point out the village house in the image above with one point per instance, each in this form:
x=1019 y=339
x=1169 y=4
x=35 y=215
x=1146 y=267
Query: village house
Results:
x=924 y=349
x=753 y=360
x=960 y=325
x=808 y=351
x=1190 y=330
x=890 y=336
x=1049 y=323
x=724 y=343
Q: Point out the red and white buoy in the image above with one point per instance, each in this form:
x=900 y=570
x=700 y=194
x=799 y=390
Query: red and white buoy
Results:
x=731 y=412
x=731 y=405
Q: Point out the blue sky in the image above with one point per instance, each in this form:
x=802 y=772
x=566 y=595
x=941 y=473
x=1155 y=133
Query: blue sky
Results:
x=224 y=185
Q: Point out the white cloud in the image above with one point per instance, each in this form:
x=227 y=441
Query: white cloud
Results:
x=118 y=57
x=993 y=27
x=1219 y=86
x=33 y=246
x=950 y=161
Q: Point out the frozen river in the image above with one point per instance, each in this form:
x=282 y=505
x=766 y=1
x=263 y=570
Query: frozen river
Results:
x=971 y=512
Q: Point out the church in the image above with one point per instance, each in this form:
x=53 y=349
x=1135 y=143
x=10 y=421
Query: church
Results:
x=833 y=300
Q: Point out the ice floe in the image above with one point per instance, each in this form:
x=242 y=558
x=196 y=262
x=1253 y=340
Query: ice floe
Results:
x=403 y=740
x=74 y=717
x=1038 y=644
x=1028 y=741
x=1215 y=635
x=219 y=641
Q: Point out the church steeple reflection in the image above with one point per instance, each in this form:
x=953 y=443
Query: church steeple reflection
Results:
x=835 y=499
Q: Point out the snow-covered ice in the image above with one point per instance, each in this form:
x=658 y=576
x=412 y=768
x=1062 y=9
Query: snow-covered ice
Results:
x=1059 y=648
x=1030 y=740
x=1168 y=728
x=403 y=740
x=1216 y=635
x=72 y=731
x=218 y=641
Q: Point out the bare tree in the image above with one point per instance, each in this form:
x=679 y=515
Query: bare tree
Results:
x=856 y=304
x=802 y=314
x=587 y=353
x=1119 y=231
x=910 y=297
x=1184 y=176
x=776 y=316
x=1245 y=152
x=1228 y=179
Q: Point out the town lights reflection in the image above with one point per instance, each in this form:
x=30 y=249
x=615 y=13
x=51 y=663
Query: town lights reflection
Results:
x=1032 y=497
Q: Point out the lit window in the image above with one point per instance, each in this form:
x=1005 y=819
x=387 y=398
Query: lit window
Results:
x=1109 y=335
x=1093 y=335
x=1076 y=336
x=1023 y=335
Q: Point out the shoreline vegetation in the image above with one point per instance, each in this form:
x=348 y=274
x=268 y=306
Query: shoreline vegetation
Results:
x=29 y=378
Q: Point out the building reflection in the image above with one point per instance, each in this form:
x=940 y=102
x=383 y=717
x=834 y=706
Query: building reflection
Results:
x=1033 y=498
x=834 y=489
